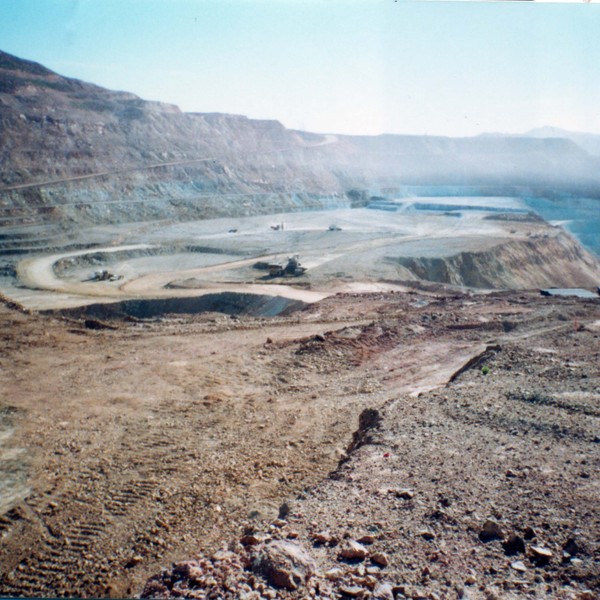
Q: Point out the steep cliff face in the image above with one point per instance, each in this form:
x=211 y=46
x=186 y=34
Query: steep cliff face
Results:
x=545 y=261
x=75 y=152
x=106 y=153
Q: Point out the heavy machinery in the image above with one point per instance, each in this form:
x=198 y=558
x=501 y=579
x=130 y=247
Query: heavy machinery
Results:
x=104 y=275
x=293 y=268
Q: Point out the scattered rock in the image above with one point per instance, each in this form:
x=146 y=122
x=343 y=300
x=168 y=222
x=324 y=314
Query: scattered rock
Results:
x=368 y=421
x=353 y=591
x=285 y=564
x=427 y=535
x=359 y=570
x=571 y=547
x=284 y=510
x=352 y=550
x=334 y=574
x=518 y=566
x=490 y=531
x=182 y=568
x=366 y=539
x=155 y=588
x=576 y=562
x=221 y=555
x=383 y=591
x=381 y=558
x=197 y=576
x=133 y=561
x=322 y=537
x=414 y=593
x=405 y=494
x=250 y=540
x=541 y=555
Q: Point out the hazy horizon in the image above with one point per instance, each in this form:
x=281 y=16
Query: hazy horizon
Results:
x=347 y=67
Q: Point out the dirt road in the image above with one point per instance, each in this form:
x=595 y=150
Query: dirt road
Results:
x=138 y=430
x=355 y=255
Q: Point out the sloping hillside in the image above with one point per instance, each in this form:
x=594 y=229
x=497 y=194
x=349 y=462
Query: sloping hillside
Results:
x=105 y=156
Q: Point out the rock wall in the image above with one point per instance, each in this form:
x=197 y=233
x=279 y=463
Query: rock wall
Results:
x=75 y=153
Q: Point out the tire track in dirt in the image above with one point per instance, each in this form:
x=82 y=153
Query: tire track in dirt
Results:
x=60 y=562
x=69 y=560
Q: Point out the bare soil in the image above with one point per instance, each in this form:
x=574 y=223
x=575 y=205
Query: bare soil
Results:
x=139 y=444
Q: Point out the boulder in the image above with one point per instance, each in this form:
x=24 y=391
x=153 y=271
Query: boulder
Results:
x=383 y=591
x=285 y=564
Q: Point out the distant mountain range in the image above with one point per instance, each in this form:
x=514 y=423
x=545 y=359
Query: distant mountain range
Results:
x=112 y=156
x=590 y=142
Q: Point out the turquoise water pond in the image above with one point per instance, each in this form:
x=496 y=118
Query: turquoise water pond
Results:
x=580 y=216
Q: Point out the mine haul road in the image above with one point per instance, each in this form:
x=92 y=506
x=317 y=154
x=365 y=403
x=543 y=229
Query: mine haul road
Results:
x=38 y=273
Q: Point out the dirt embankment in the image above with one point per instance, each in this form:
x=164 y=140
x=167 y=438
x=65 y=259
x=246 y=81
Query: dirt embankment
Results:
x=544 y=260
x=151 y=442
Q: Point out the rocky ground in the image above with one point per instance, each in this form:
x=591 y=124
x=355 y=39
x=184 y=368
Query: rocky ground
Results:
x=232 y=449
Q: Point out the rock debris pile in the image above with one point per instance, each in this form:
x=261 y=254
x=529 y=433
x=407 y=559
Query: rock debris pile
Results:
x=277 y=565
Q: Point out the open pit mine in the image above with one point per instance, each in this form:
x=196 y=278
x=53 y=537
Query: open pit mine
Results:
x=242 y=361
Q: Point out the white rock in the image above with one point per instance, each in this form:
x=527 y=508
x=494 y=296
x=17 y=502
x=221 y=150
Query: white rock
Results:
x=518 y=566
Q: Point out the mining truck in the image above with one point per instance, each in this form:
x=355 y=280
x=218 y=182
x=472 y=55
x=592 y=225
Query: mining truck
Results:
x=293 y=268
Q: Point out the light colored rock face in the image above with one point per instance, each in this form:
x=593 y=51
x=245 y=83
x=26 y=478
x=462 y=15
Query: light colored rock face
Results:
x=554 y=260
x=285 y=564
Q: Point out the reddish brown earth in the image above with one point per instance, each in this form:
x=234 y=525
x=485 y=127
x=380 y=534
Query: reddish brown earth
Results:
x=155 y=442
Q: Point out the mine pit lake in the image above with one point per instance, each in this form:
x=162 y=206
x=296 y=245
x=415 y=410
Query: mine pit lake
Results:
x=580 y=216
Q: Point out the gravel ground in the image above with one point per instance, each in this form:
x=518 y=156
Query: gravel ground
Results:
x=484 y=488
x=136 y=445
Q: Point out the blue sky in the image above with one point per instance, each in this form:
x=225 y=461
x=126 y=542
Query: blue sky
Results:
x=343 y=66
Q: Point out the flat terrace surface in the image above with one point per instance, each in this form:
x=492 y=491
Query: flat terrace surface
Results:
x=219 y=254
